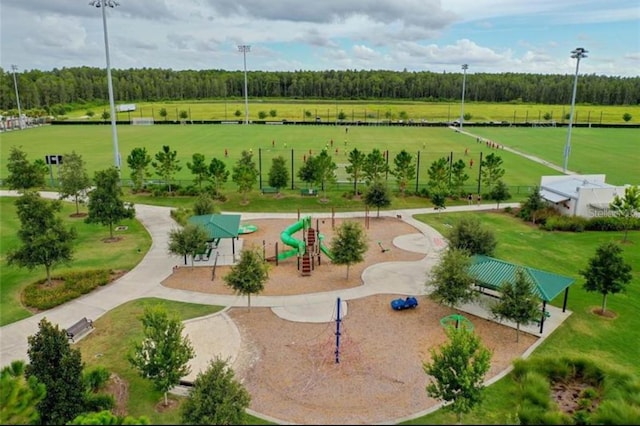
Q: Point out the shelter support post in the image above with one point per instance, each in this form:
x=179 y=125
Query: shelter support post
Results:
x=544 y=308
x=566 y=297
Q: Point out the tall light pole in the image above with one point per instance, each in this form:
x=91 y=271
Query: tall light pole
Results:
x=103 y=4
x=464 y=81
x=578 y=54
x=15 y=84
x=244 y=48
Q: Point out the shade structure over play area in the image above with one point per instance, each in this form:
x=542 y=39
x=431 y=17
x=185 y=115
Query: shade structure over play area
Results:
x=492 y=273
x=218 y=226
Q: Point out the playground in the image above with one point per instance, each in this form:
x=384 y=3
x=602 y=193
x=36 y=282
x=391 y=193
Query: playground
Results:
x=290 y=367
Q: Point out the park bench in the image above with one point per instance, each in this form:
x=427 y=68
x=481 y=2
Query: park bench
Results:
x=309 y=192
x=79 y=329
x=269 y=190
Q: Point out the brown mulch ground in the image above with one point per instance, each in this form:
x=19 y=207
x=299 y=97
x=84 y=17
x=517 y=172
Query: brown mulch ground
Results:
x=290 y=368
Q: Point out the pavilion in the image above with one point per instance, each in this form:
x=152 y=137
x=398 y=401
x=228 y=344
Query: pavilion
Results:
x=219 y=226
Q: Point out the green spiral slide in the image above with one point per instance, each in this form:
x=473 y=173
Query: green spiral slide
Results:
x=298 y=245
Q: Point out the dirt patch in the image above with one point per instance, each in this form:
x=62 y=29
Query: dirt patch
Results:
x=171 y=404
x=112 y=239
x=571 y=397
x=77 y=215
x=119 y=389
x=605 y=314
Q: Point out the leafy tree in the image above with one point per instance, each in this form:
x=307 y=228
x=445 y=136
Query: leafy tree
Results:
x=325 y=170
x=273 y=112
x=377 y=196
x=627 y=117
x=492 y=170
x=500 y=192
x=532 y=205
x=105 y=205
x=439 y=200
x=626 y=208
x=309 y=171
x=374 y=167
x=167 y=164
x=74 y=179
x=248 y=275
x=106 y=417
x=183 y=115
x=138 y=161
x=164 y=353
x=45 y=239
x=342 y=115
x=90 y=113
x=278 y=174
x=457 y=370
x=105 y=115
x=238 y=113
x=469 y=234
x=216 y=398
x=607 y=272
x=404 y=170
x=164 y=113
x=355 y=167
x=438 y=174
x=458 y=178
x=262 y=115
x=349 y=244
x=218 y=174
x=187 y=240
x=198 y=168
x=54 y=363
x=23 y=175
x=19 y=396
x=518 y=302
x=204 y=205
x=450 y=279
x=245 y=174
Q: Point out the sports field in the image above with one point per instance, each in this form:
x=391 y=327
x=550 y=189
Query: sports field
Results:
x=594 y=150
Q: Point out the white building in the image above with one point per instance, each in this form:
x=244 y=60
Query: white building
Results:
x=579 y=195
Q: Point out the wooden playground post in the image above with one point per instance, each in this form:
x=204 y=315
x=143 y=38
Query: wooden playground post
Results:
x=333 y=218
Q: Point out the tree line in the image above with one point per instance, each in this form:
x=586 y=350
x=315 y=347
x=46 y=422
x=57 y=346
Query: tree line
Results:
x=77 y=86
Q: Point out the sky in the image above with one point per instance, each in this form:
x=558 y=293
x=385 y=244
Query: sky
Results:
x=490 y=36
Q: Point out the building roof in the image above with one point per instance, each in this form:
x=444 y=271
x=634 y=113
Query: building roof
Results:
x=568 y=188
x=492 y=273
x=218 y=225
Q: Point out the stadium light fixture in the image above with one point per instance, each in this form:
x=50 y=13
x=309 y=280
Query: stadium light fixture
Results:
x=577 y=54
x=14 y=68
x=103 y=4
x=244 y=48
x=464 y=81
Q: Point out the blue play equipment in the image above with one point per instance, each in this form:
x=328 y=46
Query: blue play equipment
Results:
x=409 y=302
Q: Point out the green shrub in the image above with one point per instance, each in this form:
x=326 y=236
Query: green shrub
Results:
x=75 y=284
x=99 y=402
x=96 y=378
x=565 y=223
x=181 y=215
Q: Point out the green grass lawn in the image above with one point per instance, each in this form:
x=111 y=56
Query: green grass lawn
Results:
x=90 y=253
x=607 y=341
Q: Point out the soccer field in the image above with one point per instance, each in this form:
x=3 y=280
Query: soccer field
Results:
x=609 y=151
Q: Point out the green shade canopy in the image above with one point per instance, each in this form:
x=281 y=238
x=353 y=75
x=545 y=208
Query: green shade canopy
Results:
x=492 y=273
x=218 y=225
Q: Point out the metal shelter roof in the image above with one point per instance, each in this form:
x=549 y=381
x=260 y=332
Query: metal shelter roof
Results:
x=218 y=225
x=492 y=273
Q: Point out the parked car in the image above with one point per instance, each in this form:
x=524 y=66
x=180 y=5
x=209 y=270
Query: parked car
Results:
x=409 y=302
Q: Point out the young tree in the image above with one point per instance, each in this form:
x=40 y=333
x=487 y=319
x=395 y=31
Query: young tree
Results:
x=167 y=164
x=627 y=207
x=23 y=175
x=216 y=398
x=500 y=192
x=54 y=363
x=355 y=168
x=105 y=205
x=325 y=170
x=404 y=170
x=278 y=174
x=19 y=396
x=375 y=166
x=74 y=179
x=245 y=174
x=309 y=171
x=218 y=174
x=198 y=168
x=492 y=170
x=45 y=239
x=518 y=302
x=458 y=371
x=187 y=240
x=532 y=205
x=438 y=174
x=204 y=205
x=450 y=278
x=164 y=353
x=248 y=275
x=183 y=116
x=349 y=244
x=469 y=234
x=138 y=161
x=377 y=196
x=458 y=178
x=607 y=272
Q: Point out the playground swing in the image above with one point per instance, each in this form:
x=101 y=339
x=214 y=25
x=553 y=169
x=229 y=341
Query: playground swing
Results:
x=382 y=248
